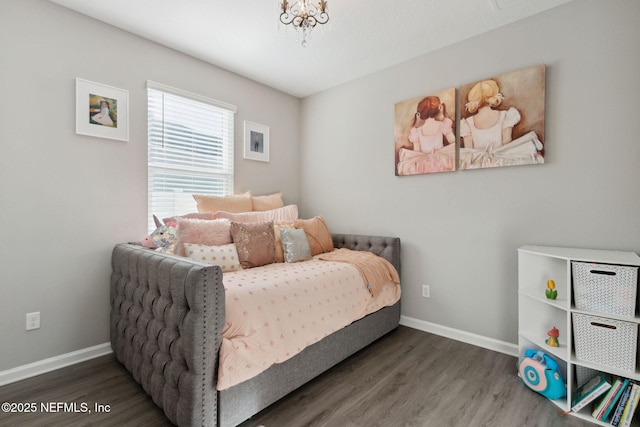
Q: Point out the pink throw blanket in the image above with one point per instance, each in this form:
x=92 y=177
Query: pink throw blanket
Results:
x=376 y=271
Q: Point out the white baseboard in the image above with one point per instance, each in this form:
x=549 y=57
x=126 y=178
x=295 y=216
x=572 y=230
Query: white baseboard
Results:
x=458 y=335
x=47 y=365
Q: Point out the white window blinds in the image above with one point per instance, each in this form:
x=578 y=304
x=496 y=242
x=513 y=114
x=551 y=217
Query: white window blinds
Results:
x=190 y=149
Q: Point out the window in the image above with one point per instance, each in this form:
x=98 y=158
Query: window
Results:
x=190 y=149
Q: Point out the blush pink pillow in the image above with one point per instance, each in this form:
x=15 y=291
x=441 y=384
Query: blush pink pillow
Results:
x=286 y=213
x=194 y=215
x=255 y=243
x=215 y=232
x=318 y=234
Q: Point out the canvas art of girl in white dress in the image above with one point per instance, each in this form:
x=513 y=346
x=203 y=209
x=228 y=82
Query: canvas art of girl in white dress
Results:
x=103 y=116
x=487 y=135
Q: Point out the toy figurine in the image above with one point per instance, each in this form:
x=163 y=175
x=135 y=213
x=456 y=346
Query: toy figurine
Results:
x=551 y=292
x=552 y=341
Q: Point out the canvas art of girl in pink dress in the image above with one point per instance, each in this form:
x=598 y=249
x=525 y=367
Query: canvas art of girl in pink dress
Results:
x=431 y=132
x=431 y=126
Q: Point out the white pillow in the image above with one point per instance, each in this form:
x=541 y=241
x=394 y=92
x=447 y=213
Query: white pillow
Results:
x=225 y=256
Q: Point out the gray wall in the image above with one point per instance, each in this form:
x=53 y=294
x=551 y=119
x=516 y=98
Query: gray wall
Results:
x=460 y=231
x=66 y=199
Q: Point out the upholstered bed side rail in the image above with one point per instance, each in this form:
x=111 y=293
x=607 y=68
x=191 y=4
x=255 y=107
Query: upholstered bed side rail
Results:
x=386 y=247
x=166 y=320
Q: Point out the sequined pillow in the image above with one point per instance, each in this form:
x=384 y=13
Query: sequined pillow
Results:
x=295 y=245
x=255 y=243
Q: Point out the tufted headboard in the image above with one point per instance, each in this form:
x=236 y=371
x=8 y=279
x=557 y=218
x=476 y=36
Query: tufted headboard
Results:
x=386 y=247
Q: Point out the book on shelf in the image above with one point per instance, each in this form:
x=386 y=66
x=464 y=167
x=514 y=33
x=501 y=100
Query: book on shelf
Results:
x=604 y=406
x=589 y=391
x=630 y=408
x=609 y=411
x=622 y=403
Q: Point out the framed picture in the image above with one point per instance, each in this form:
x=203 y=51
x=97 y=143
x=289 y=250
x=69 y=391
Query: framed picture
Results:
x=425 y=140
x=256 y=141
x=502 y=120
x=101 y=110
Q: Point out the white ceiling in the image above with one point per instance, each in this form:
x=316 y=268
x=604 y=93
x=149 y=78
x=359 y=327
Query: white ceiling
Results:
x=361 y=37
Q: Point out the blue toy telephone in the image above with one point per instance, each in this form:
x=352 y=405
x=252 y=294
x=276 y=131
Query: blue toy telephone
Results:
x=540 y=373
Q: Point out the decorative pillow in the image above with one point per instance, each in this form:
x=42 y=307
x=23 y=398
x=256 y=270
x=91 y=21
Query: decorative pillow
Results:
x=255 y=243
x=225 y=256
x=203 y=232
x=267 y=203
x=277 y=226
x=194 y=215
x=238 y=203
x=318 y=234
x=295 y=245
x=286 y=213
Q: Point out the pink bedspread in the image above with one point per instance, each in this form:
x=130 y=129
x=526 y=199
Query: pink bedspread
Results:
x=275 y=311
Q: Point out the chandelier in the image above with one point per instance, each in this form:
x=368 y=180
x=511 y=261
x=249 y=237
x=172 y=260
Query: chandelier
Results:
x=304 y=16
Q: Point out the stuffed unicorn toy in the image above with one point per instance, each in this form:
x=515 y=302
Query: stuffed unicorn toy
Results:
x=163 y=238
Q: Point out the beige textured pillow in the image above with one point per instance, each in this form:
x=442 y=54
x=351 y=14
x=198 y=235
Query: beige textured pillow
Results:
x=255 y=243
x=225 y=256
x=214 y=232
x=318 y=234
x=267 y=203
x=277 y=226
x=287 y=213
x=238 y=203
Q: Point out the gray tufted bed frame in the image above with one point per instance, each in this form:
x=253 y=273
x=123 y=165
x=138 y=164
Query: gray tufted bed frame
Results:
x=167 y=314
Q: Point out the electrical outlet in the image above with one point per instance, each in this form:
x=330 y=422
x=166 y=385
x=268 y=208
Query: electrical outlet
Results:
x=33 y=321
x=426 y=291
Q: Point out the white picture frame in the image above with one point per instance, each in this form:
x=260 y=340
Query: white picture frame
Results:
x=101 y=110
x=256 y=141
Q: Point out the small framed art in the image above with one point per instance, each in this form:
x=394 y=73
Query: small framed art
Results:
x=102 y=110
x=256 y=141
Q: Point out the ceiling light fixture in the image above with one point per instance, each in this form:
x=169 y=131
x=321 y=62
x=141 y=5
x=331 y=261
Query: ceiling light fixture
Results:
x=304 y=16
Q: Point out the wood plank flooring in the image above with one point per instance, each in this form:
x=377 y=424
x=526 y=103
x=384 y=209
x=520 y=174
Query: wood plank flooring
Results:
x=407 y=378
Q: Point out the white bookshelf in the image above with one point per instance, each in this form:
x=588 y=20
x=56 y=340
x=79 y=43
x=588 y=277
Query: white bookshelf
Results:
x=537 y=314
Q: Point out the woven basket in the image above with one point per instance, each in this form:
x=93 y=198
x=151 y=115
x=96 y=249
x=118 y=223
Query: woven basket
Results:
x=605 y=288
x=608 y=342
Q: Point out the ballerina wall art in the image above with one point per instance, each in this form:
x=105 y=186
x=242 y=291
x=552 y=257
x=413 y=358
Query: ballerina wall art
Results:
x=502 y=120
x=425 y=134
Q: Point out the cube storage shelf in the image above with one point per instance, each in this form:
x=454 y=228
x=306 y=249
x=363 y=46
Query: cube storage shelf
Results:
x=537 y=315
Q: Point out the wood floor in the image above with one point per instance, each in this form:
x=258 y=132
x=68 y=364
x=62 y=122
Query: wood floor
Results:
x=407 y=378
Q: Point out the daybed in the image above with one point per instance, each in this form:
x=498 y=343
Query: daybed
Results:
x=167 y=316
